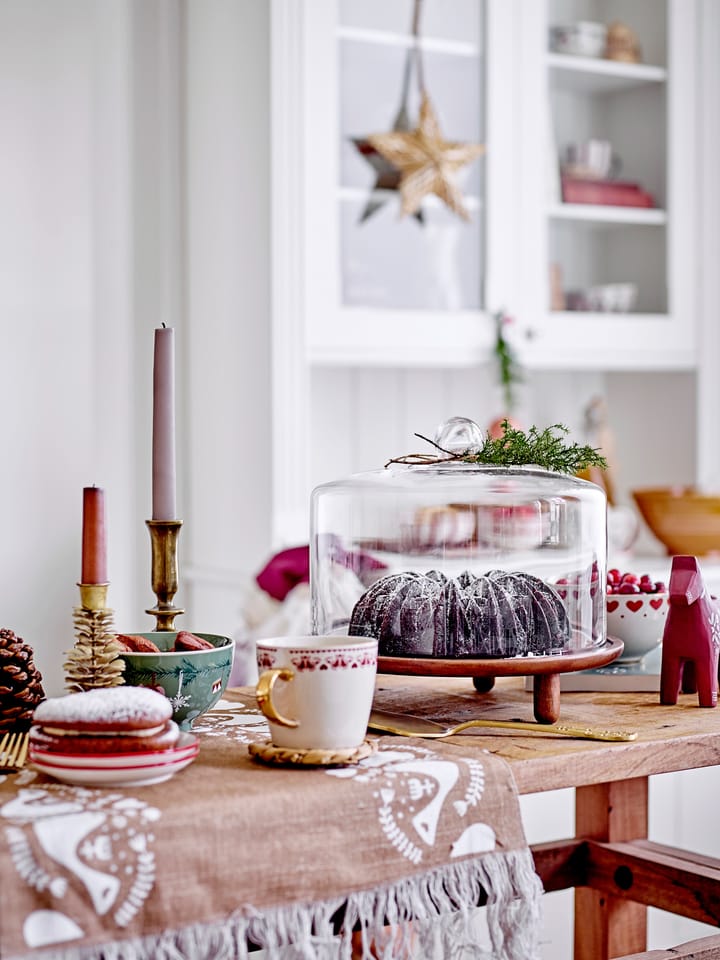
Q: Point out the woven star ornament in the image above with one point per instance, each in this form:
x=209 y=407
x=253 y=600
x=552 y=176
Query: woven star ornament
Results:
x=427 y=163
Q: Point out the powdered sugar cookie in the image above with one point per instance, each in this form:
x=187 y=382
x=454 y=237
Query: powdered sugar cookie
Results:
x=69 y=743
x=113 y=709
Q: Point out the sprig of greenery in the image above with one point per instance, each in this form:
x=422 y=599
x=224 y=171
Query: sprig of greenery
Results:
x=546 y=448
x=509 y=372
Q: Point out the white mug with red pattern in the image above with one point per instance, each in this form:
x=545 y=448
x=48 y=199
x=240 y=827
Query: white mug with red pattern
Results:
x=316 y=692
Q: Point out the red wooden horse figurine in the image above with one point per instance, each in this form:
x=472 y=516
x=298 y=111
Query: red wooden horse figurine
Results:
x=691 y=639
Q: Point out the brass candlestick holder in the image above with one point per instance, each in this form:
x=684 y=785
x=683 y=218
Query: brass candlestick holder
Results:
x=94 y=661
x=163 y=540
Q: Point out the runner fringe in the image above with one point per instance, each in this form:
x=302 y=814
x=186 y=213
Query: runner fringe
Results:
x=440 y=904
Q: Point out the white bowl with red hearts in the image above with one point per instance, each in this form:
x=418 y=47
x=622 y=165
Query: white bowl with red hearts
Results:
x=637 y=609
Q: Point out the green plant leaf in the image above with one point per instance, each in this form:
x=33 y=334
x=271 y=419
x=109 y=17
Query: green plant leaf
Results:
x=546 y=448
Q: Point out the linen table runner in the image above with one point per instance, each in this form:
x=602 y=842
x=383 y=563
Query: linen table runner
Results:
x=229 y=851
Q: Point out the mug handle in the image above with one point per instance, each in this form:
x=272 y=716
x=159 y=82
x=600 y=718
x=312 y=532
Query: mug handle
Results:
x=263 y=693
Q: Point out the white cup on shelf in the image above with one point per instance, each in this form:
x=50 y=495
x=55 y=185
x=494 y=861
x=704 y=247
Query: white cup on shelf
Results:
x=586 y=38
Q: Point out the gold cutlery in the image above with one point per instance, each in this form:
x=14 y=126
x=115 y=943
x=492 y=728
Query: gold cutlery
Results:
x=405 y=726
x=13 y=750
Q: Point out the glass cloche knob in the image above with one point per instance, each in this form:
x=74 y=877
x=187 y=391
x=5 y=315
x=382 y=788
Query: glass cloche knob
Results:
x=459 y=434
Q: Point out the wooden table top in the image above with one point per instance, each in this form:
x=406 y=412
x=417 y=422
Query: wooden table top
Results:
x=670 y=738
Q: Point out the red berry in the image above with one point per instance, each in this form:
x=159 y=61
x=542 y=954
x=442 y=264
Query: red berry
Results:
x=630 y=578
x=660 y=587
x=614 y=575
x=626 y=587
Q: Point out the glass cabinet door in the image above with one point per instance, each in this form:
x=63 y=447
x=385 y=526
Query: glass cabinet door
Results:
x=433 y=260
x=610 y=184
x=607 y=67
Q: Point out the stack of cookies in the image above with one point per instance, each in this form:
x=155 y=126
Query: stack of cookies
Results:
x=110 y=735
x=105 y=721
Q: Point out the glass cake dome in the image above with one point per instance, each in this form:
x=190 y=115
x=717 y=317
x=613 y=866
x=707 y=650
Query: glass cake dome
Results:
x=442 y=558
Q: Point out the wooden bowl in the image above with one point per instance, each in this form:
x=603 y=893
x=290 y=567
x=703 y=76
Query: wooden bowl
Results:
x=683 y=520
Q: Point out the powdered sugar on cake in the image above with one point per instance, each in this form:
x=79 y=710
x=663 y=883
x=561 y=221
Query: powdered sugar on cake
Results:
x=498 y=614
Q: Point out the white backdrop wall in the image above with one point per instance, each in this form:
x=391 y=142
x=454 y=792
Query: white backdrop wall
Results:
x=122 y=209
x=227 y=274
x=66 y=330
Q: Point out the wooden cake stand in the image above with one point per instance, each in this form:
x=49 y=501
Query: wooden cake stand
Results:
x=546 y=671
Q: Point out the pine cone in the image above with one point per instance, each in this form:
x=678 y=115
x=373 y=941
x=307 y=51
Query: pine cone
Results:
x=95 y=659
x=21 y=687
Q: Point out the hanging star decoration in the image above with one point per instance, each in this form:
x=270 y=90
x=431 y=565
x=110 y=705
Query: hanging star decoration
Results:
x=427 y=162
x=387 y=177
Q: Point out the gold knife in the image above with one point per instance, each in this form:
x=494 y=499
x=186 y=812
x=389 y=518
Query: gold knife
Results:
x=405 y=726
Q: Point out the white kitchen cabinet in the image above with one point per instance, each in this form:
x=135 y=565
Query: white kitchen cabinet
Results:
x=359 y=307
x=647 y=112
x=387 y=291
x=392 y=292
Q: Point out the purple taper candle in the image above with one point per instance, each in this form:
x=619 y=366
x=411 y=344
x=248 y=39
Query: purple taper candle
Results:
x=163 y=447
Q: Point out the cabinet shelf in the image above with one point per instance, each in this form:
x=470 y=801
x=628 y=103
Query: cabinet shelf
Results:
x=572 y=316
x=608 y=341
x=597 y=76
x=404 y=338
x=362 y=195
x=604 y=215
x=456 y=48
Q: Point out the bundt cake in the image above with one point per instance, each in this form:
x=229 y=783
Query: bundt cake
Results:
x=500 y=614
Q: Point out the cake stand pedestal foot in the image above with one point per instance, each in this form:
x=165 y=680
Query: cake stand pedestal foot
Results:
x=483 y=684
x=546 y=697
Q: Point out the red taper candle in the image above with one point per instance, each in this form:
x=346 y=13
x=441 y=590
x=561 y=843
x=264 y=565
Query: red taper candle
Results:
x=94 y=542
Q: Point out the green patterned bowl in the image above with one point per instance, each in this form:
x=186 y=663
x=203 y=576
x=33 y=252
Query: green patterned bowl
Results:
x=192 y=680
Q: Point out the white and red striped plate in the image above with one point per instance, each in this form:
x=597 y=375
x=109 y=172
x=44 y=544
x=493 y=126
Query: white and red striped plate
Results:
x=132 y=770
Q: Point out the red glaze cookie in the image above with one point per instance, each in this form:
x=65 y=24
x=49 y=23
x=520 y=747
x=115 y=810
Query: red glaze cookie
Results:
x=134 y=643
x=111 y=710
x=68 y=742
x=188 y=641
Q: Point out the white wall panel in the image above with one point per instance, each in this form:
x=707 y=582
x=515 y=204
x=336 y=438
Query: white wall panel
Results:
x=334 y=405
x=63 y=299
x=227 y=448
x=378 y=416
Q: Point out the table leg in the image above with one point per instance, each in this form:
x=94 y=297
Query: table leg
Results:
x=546 y=697
x=607 y=926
